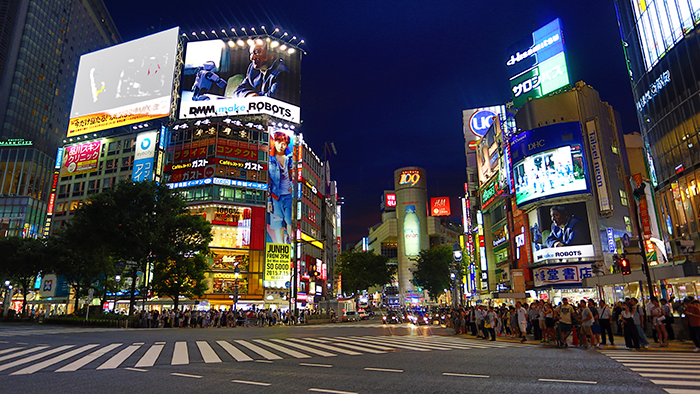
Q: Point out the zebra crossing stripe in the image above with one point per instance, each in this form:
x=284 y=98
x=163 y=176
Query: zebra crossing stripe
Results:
x=683 y=371
x=666 y=375
x=180 y=354
x=327 y=347
x=374 y=340
x=304 y=348
x=75 y=365
x=207 y=352
x=34 y=357
x=22 y=353
x=120 y=357
x=12 y=349
x=351 y=346
x=680 y=391
x=149 y=359
x=675 y=383
x=55 y=360
x=350 y=341
x=257 y=349
x=391 y=341
x=234 y=351
x=422 y=342
x=281 y=349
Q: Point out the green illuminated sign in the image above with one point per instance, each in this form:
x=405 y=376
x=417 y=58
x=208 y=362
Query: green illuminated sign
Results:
x=544 y=78
x=16 y=142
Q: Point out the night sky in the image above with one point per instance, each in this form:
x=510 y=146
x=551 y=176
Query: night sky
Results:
x=387 y=81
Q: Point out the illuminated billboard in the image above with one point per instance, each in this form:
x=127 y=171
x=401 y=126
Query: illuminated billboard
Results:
x=143 y=158
x=537 y=64
x=477 y=121
x=548 y=162
x=242 y=76
x=390 y=200
x=280 y=186
x=560 y=232
x=81 y=158
x=124 y=84
x=440 y=206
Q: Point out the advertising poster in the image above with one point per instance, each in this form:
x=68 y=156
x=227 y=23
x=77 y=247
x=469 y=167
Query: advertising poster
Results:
x=440 y=206
x=241 y=77
x=280 y=186
x=560 y=232
x=277 y=262
x=124 y=84
x=81 y=159
x=143 y=158
x=571 y=274
x=549 y=162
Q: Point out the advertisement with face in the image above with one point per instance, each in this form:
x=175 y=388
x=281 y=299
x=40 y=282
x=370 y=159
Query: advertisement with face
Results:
x=80 y=159
x=280 y=186
x=124 y=84
x=243 y=76
x=560 y=232
x=549 y=162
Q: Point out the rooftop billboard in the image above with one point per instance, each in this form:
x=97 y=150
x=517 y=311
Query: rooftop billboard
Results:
x=537 y=64
x=549 y=162
x=124 y=84
x=242 y=76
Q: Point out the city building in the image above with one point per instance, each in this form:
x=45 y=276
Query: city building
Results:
x=41 y=42
x=662 y=49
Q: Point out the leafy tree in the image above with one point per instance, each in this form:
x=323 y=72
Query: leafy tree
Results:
x=21 y=260
x=432 y=270
x=362 y=270
x=181 y=257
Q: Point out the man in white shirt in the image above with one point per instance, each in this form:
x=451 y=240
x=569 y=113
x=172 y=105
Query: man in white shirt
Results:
x=522 y=320
x=605 y=321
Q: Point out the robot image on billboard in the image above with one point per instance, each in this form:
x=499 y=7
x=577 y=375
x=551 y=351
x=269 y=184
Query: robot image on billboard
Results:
x=224 y=78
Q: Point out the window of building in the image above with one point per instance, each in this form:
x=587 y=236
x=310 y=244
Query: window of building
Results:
x=628 y=224
x=623 y=197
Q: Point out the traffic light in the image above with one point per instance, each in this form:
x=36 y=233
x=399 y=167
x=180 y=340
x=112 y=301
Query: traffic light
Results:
x=625 y=266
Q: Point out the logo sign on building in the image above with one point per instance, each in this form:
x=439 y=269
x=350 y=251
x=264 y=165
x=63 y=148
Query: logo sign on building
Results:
x=477 y=121
x=280 y=180
x=219 y=79
x=390 y=200
x=537 y=64
x=81 y=158
x=143 y=159
x=560 y=232
x=549 y=162
x=410 y=177
x=600 y=175
x=440 y=206
x=277 y=262
x=570 y=274
x=612 y=247
x=124 y=84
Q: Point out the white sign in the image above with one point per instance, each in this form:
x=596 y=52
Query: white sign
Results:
x=564 y=252
x=571 y=274
x=598 y=171
x=239 y=106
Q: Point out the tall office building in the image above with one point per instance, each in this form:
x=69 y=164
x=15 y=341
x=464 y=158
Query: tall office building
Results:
x=40 y=45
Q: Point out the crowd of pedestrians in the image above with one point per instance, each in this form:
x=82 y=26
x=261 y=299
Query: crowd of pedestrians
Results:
x=219 y=318
x=589 y=321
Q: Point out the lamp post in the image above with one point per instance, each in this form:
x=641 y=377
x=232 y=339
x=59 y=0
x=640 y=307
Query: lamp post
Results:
x=236 y=275
x=456 y=275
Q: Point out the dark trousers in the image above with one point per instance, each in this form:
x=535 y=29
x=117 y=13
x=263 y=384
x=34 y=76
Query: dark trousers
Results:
x=536 y=329
x=631 y=334
x=492 y=331
x=694 y=333
x=606 y=328
x=669 y=329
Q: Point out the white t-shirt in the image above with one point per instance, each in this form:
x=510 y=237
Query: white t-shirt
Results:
x=522 y=315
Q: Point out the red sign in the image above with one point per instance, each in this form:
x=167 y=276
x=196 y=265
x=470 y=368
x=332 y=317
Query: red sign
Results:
x=390 y=200
x=221 y=151
x=440 y=206
x=643 y=208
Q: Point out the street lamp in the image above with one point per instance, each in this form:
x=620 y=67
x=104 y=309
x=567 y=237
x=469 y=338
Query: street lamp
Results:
x=236 y=275
x=456 y=274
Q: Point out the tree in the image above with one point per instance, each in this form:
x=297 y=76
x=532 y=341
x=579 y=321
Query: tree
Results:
x=181 y=257
x=362 y=270
x=27 y=263
x=432 y=270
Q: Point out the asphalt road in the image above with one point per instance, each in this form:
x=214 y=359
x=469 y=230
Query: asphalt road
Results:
x=365 y=357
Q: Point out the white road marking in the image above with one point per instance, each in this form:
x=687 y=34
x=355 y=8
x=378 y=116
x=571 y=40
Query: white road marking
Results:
x=257 y=349
x=149 y=359
x=327 y=347
x=120 y=357
x=351 y=346
x=378 y=347
x=316 y=365
x=136 y=369
x=384 y=370
x=331 y=391
x=34 y=357
x=465 y=375
x=22 y=353
x=12 y=349
x=684 y=371
x=680 y=391
x=676 y=383
x=75 y=365
x=567 y=381
x=668 y=376
x=57 y=359
x=281 y=349
x=184 y=375
x=249 y=382
x=207 y=352
x=305 y=348
x=234 y=351
x=180 y=354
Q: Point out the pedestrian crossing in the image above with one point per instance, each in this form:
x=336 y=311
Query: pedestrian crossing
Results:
x=26 y=360
x=675 y=372
x=31 y=331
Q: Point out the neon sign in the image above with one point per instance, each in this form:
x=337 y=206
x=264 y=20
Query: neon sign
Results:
x=411 y=177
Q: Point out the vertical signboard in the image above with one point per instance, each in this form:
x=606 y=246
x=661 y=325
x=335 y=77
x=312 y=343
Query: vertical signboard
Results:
x=143 y=158
x=52 y=196
x=600 y=175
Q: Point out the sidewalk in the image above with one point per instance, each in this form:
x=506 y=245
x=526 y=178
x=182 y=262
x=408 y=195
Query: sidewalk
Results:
x=673 y=346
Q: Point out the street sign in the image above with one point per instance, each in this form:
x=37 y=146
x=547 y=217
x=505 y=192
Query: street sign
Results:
x=626 y=240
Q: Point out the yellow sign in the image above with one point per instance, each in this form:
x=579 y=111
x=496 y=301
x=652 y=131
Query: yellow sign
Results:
x=277 y=262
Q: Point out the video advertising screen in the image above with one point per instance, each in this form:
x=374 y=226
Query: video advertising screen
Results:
x=124 y=84
x=241 y=76
x=560 y=232
x=549 y=162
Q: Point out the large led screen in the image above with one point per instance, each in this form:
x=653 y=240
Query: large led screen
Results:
x=241 y=77
x=81 y=158
x=560 y=232
x=280 y=186
x=549 y=162
x=124 y=84
x=537 y=64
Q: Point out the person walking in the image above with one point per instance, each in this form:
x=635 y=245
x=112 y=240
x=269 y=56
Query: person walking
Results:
x=638 y=316
x=605 y=320
x=565 y=313
x=629 y=326
x=658 y=318
x=522 y=321
x=492 y=320
x=692 y=315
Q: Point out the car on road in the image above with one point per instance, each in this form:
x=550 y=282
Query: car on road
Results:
x=419 y=318
x=349 y=316
x=391 y=317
